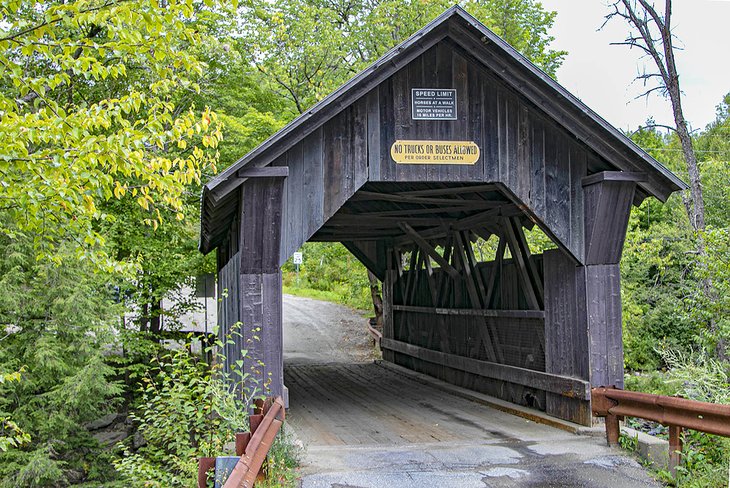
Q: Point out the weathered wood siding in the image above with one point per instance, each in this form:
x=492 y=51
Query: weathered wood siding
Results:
x=582 y=329
x=566 y=334
x=325 y=170
x=540 y=163
x=457 y=329
x=229 y=266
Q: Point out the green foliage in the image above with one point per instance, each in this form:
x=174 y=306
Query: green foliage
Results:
x=10 y=434
x=650 y=382
x=282 y=462
x=629 y=443
x=185 y=410
x=56 y=323
x=89 y=114
x=330 y=268
x=695 y=375
x=663 y=294
x=705 y=458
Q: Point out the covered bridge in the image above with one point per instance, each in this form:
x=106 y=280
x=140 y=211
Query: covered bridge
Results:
x=450 y=137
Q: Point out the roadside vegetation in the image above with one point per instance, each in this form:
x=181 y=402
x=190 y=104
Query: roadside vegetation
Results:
x=113 y=113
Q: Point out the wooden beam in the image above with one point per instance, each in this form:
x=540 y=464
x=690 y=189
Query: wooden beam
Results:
x=370 y=262
x=519 y=259
x=441 y=328
x=265 y=172
x=472 y=223
x=614 y=176
x=363 y=195
x=418 y=211
x=473 y=312
x=561 y=385
x=525 y=249
x=428 y=249
x=496 y=270
x=467 y=223
x=494 y=353
x=459 y=190
x=345 y=220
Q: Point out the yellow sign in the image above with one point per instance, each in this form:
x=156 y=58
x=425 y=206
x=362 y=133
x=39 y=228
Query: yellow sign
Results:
x=434 y=152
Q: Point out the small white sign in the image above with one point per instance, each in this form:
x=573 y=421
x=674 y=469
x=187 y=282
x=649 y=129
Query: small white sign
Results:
x=297 y=258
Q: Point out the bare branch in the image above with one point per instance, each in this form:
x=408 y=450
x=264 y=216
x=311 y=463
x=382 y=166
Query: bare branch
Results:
x=653 y=126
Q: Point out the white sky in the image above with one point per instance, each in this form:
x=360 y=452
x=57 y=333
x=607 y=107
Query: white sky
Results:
x=601 y=75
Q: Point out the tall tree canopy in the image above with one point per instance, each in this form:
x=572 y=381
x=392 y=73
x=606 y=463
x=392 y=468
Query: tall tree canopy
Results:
x=88 y=113
x=304 y=49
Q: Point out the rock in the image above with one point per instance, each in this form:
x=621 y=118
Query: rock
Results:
x=102 y=422
x=138 y=440
x=110 y=437
x=74 y=476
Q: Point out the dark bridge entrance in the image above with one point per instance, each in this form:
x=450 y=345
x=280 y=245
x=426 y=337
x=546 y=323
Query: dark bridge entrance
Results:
x=409 y=182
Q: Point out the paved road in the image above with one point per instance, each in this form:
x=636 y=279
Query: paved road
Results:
x=368 y=425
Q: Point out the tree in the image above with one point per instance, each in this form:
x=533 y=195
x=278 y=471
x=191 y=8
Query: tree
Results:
x=57 y=328
x=304 y=49
x=651 y=32
x=88 y=114
x=100 y=136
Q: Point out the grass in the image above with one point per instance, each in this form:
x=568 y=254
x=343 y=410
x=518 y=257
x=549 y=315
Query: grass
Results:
x=282 y=462
x=327 y=296
x=324 y=295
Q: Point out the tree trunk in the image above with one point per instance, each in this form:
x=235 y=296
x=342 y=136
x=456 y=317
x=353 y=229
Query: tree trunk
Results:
x=377 y=299
x=642 y=15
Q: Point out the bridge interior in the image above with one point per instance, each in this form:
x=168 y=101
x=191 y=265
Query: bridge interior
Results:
x=443 y=300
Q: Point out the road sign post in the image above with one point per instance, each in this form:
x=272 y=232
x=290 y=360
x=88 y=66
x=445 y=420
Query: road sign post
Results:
x=297 y=259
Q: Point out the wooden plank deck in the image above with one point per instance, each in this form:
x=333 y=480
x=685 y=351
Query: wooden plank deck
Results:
x=367 y=404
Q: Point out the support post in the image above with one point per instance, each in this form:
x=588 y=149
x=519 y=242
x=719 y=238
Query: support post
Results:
x=583 y=302
x=260 y=286
x=390 y=277
x=675 y=448
x=612 y=430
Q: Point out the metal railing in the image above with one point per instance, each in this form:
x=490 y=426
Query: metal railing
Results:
x=252 y=447
x=374 y=333
x=675 y=413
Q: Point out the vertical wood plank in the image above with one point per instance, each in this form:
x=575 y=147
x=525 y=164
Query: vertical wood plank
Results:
x=374 y=153
x=387 y=130
x=312 y=188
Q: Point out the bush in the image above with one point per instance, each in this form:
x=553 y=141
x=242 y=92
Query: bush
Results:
x=185 y=410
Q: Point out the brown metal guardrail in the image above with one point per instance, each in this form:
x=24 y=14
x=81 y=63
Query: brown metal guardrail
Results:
x=252 y=447
x=374 y=333
x=676 y=413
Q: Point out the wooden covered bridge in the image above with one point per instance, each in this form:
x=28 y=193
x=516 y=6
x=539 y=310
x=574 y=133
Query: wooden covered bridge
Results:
x=451 y=137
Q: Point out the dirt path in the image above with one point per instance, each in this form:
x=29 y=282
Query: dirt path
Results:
x=323 y=332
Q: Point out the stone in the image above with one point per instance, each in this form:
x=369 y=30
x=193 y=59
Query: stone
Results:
x=110 y=437
x=102 y=422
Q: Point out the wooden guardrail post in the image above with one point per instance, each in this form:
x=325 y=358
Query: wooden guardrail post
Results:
x=612 y=430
